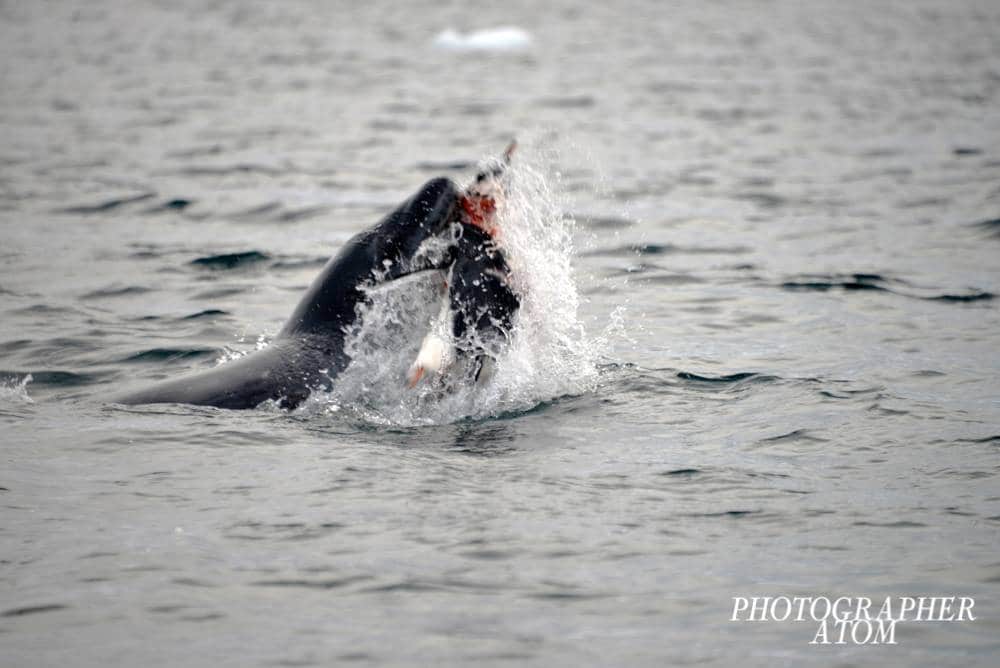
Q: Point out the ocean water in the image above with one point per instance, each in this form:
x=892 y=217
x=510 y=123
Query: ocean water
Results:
x=760 y=357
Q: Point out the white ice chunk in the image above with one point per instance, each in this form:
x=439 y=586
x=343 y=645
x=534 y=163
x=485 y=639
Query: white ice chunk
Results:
x=506 y=38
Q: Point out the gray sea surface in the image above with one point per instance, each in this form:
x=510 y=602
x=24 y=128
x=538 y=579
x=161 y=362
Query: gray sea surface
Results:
x=791 y=209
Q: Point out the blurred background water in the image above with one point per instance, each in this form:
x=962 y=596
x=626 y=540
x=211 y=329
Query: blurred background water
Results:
x=796 y=203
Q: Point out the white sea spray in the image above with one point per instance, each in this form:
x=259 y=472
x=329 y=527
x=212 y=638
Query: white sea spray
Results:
x=15 y=391
x=551 y=353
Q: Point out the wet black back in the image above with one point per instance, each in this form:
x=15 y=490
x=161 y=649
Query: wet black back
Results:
x=482 y=301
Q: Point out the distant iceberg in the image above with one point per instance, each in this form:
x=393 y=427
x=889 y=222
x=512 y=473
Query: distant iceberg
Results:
x=506 y=38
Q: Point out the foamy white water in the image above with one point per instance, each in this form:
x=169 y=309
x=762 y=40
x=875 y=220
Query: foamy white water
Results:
x=551 y=353
x=15 y=391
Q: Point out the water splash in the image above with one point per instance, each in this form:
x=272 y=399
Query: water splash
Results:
x=13 y=391
x=551 y=354
x=230 y=353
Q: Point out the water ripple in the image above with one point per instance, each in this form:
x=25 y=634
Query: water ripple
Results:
x=106 y=205
x=231 y=260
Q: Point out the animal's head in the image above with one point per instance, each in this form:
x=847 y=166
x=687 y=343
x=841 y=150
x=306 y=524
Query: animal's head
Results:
x=485 y=194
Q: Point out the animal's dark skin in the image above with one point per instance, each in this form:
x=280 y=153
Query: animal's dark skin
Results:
x=309 y=351
x=481 y=296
